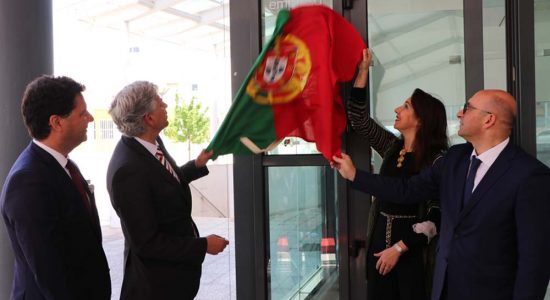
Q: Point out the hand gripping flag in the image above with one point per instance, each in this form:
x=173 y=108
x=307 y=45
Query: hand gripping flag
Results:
x=293 y=87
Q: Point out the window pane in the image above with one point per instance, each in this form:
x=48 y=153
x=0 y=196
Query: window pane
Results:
x=303 y=233
x=542 y=73
x=494 y=44
x=416 y=46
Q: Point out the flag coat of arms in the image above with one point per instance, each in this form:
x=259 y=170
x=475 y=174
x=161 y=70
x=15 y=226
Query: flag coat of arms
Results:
x=293 y=87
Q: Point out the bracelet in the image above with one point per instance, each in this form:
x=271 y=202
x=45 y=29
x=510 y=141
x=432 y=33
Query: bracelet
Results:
x=398 y=248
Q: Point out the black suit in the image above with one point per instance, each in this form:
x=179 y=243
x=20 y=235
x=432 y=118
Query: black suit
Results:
x=57 y=244
x=498 y=245
x=163 y=254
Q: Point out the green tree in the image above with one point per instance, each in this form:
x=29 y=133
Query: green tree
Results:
x=190 y=123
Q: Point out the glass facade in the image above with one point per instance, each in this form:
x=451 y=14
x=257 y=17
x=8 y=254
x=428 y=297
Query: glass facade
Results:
x=494 y=44
x=542 y=89
x=416 y=46
x=302 y=239
x=542 y=72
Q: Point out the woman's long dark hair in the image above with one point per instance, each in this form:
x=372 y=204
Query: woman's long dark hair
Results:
x=431 y=135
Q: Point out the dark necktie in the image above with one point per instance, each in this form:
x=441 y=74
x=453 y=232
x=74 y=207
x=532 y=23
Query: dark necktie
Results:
x=78 y=182
x=469 y=186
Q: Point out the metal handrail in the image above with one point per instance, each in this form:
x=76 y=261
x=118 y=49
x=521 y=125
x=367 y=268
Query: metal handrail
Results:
x=203 y=197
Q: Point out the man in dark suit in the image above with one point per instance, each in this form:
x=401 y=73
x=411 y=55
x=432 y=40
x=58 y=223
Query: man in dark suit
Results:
x=50 y=213
x=151 y=195
x=495 y=202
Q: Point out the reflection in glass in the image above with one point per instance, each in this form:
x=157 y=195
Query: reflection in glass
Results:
x=302 y=233
x=542 y=73
x=416 y=44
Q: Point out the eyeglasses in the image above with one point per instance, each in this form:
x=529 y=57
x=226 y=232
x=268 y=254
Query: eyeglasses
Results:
x=468 y=106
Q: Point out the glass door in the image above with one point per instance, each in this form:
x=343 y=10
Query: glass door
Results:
x=542 y=72
x=301 y=210
x=302 y=218
x=542 y=89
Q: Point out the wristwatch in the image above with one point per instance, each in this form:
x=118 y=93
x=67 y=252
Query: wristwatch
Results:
x=398 y=248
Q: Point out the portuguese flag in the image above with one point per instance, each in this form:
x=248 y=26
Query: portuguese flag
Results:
x=293 y=87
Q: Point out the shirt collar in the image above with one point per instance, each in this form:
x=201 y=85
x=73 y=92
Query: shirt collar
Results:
x=152 y=148
x=61 y=159
x=488 y=157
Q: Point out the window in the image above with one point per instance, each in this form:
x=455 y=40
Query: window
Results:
x=106 y=129
x=542 y=72
x=416 y=46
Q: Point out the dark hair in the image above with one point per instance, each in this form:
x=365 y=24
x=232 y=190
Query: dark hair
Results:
x=46 y=96
x=431 y=135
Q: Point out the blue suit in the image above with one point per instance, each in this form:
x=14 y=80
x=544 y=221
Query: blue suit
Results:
x=56 y=242
x=498 y=245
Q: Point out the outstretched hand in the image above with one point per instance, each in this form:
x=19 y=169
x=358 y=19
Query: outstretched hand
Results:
x=203 y=158
x=361 y=79
x=345 y=166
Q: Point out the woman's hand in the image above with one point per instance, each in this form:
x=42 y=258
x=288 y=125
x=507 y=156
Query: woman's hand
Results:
x=361 y=79
x=345 y=166
x=388 y=258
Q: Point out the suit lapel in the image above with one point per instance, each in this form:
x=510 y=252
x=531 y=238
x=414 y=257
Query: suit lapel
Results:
x=60 y=172
x=52 y=163
x=497 y=170
x=461 y=172
x=152 y=160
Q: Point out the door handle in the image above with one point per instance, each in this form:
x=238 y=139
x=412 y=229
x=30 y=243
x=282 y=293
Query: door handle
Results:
x=355 y=247
x=348 y=4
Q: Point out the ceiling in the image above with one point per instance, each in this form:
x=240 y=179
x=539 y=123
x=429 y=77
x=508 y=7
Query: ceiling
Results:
x=196 y=23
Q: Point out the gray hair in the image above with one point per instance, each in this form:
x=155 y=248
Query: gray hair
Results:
x=131 y=104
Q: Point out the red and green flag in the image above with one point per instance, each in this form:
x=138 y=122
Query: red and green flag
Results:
x=293 y=87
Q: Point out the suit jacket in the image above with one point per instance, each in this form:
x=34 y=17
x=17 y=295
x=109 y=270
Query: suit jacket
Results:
x=164 y=253
x=56 y=242
x=498 y=245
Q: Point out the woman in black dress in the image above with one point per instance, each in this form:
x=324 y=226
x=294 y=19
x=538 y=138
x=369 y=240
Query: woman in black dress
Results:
x=395 y=251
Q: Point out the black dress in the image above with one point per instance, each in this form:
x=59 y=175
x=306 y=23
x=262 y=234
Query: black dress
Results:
x=407 y=280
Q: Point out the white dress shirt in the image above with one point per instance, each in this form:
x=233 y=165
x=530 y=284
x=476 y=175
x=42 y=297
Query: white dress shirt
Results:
x=61 y=159
x=487 y=159
x=152 y=148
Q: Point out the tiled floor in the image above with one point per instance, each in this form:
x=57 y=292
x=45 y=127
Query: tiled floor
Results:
x=218 y=272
